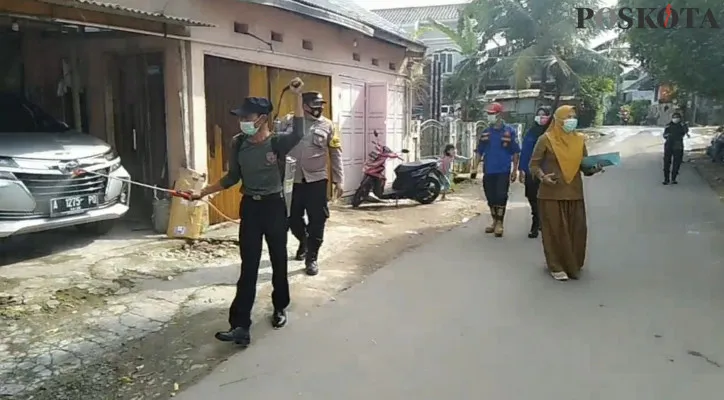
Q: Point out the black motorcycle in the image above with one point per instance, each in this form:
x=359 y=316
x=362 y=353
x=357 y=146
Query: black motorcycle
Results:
x=420 y=180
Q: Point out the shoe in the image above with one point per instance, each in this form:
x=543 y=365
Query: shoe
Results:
x=534 y=230
x=674 y=182
x=665 y=182
x=494 y=216
x=237 y=335
x=560 y=276
x=301 y=251
x=279 y=319
x=311 y=268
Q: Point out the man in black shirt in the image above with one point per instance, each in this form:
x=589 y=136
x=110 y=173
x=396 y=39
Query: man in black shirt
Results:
x=674 y=147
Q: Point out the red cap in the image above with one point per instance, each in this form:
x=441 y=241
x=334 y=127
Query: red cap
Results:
x=494 y=108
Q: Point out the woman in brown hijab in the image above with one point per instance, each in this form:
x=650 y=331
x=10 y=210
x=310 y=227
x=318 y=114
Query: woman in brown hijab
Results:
x=556 y=161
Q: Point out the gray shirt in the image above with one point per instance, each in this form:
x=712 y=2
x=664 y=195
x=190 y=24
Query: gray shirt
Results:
x=320 y=147
x=260 y=165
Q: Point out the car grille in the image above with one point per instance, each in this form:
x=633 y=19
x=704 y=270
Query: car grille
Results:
x=46 y=187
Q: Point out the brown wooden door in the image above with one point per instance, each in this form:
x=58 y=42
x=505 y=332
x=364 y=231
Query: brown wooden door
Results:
x=140 y=124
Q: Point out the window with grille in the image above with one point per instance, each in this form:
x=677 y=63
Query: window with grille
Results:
x=446 y=62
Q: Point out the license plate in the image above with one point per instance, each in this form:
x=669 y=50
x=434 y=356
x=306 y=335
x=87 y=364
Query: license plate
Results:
x=74 y=204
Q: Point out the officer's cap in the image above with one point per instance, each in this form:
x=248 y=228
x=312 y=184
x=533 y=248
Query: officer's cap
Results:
x=313 y=99
x=253 y=105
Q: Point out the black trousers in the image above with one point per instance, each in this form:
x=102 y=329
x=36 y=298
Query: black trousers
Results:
x=531 y=193
x=310 y=198
x=263 y=218
x=495 y=187
x=673 y=155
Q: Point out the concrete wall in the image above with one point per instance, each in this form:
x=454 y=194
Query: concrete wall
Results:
x=332 y=53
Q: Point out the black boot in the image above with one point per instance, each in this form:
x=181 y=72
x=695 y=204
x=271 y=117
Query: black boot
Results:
x=673 y=180
x=310 y=263
x=666 y=179
x=534 y=229
x=301 y=250
x=237 y=335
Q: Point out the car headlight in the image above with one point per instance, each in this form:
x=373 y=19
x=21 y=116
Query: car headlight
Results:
x=8 y=162
x=111 y=155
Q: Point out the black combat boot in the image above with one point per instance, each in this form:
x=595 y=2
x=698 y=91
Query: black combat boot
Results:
x=237 y=335
x=311 y=267
x=666 y=179
x=301 y=250
x=534 y=229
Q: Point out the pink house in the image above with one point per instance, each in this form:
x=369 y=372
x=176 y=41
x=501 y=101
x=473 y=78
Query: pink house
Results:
x=156 y=77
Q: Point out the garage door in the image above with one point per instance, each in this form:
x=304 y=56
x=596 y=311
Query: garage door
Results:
x=350 y=109
x=226 y=84
x=395 y=122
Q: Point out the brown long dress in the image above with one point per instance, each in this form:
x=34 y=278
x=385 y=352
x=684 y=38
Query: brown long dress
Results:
x=562 y=213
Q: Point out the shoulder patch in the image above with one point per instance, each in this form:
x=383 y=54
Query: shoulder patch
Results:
x=335 y=142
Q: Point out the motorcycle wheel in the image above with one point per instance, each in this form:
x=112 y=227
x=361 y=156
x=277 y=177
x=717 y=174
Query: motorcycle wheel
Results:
x=431 y=191
x=359 y=196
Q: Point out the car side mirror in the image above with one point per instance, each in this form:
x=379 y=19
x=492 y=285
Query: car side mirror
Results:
x=405 y=151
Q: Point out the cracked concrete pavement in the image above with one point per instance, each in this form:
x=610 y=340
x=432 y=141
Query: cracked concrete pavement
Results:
x=95 y=322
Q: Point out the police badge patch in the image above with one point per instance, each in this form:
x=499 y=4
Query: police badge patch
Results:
x=271 y=157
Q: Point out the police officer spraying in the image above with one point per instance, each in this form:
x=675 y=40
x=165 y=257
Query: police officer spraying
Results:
x=499 y=151
x=674 y=147
x=319 y=147
x=257 y=159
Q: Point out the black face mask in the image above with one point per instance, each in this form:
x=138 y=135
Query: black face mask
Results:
x=315 y=112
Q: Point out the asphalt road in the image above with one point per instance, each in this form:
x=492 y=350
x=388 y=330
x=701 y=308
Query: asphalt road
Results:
x=473 y=317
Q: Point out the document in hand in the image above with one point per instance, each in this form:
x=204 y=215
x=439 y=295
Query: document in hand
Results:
x=604 y=160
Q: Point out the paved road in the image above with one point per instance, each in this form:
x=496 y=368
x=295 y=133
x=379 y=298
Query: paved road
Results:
x=472 y=317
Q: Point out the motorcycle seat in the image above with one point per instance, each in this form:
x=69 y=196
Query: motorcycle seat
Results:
x=414 y=165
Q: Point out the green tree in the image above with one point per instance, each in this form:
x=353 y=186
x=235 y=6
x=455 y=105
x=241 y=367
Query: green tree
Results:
x=541 y=39
x=464 y=84
x=689 y=58
x=592 y=90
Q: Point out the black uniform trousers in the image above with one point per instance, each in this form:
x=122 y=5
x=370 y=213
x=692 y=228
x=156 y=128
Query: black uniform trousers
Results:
x=531 y=193
x=261 y=217
x=495 y=187
x=673 y=155
x=309 y=197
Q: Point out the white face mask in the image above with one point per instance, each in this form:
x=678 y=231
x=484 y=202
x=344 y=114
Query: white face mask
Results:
x=248 y=127
x=570 y=124
x=676 y=120
x=492 y=118
x=541 y=119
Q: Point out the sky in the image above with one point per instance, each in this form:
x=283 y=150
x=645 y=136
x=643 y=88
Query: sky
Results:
x=379 y=4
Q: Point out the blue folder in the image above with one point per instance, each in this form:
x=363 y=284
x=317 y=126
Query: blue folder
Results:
x=604 y=160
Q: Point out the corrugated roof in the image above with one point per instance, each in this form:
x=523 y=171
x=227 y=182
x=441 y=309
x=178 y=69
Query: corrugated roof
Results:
x=352 y=10
x=94 y=5
x=410 y=15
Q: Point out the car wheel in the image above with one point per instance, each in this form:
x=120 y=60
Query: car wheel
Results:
x=97 y=228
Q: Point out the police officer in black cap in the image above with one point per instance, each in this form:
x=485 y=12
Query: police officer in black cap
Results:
x=319 y=150
x=257 y=159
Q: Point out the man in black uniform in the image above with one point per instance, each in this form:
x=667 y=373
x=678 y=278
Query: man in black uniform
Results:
x=257 y=159
x=674 y=147
x=319 y=150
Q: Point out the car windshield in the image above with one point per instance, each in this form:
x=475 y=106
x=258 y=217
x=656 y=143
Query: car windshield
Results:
x=19 y=115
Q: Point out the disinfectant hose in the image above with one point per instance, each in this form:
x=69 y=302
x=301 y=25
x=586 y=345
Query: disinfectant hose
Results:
x=174 y=193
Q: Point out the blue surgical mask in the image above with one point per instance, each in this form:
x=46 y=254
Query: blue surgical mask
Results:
x=248 y=128
x=570 y=125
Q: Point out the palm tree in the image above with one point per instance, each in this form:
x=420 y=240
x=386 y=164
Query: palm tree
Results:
x=542 y=39
x=470 y=74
